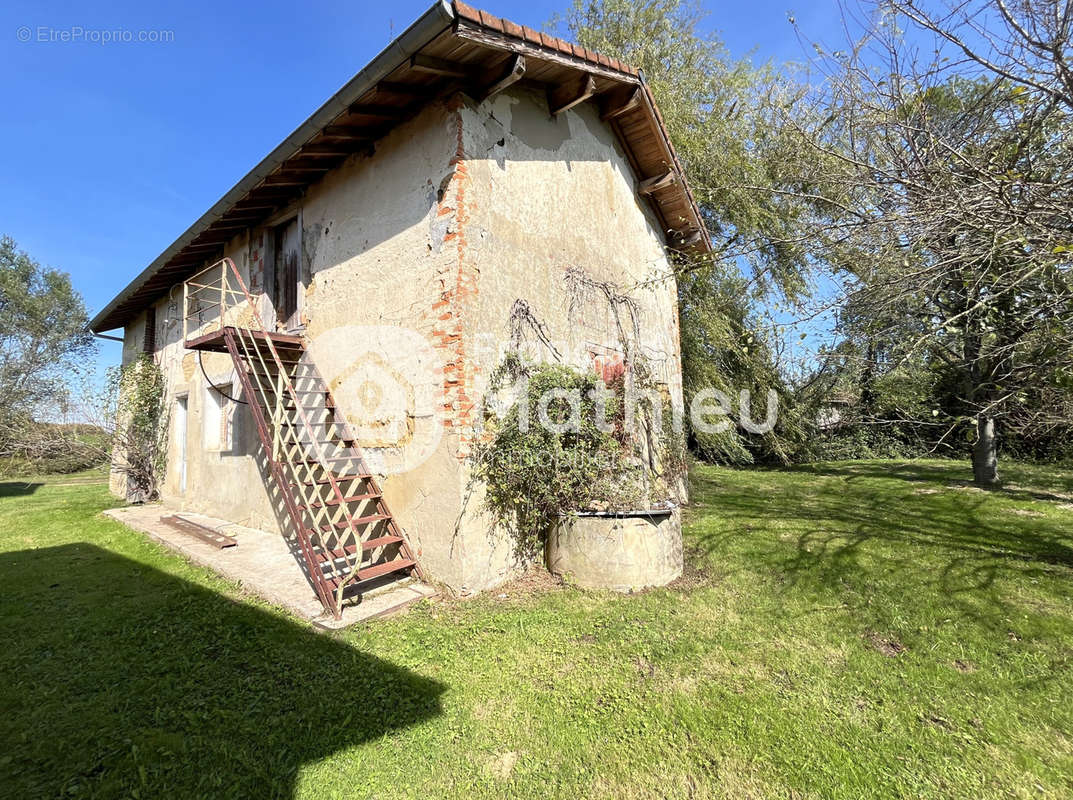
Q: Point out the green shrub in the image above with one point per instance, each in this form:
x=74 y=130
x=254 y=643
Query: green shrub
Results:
x=533 y=472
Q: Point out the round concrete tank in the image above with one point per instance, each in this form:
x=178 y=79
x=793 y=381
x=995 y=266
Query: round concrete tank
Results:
x=624 y=551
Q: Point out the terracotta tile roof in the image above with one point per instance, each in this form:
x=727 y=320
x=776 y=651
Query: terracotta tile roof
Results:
x=527 y=34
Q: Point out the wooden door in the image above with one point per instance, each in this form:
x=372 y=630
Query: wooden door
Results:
x=288 y=285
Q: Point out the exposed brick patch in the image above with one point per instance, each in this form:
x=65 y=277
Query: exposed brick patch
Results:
x=458 y=296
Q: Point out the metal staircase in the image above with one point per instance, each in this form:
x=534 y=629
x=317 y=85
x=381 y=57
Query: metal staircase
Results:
x=345 y=532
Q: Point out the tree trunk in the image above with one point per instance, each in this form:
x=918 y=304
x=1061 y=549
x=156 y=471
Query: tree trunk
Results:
x=985 y=453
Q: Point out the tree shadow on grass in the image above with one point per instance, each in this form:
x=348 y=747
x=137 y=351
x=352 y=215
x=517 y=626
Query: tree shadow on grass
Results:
x=121 y=680
x=891 y=542
x=956 y=475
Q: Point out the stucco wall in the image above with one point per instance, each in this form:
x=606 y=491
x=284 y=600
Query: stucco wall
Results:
x=543 y=198
x=460 y=212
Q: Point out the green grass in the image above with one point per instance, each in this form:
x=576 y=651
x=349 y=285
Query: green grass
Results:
x=850 y=630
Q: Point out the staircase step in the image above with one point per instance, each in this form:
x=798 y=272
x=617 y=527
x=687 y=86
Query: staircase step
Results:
x=350 y=549
x=332 y=460
x=342 y=526
x=288 y=373
x=338 y=479
x=328 y=402
x=385 y=568
x=377 y=570
x=290 y=440
x=322 y=425
x=354 y=498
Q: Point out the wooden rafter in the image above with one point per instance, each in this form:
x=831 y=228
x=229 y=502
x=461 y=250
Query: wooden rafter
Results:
x=656 y=182
x=326 y=149
x=508 y=76
x=619 y=103
x=380 y=111
x=245 y=205
x=301 y=163
x=565 y=97
x=287 y=178
x=346 y=132
x=440 y=66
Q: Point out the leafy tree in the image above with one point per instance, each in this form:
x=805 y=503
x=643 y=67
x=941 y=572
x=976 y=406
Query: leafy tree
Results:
x=43 y=339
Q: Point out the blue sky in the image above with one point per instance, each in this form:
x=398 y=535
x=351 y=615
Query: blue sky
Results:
x=111 y=150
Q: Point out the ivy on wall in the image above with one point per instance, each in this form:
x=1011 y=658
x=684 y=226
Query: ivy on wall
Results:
x=141 y=433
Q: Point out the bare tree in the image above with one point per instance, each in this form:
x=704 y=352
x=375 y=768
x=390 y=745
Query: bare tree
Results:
x=128 y=414
x=951 y=181
x=1027 y=42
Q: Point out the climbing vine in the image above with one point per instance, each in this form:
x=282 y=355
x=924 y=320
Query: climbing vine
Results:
x=141 y=432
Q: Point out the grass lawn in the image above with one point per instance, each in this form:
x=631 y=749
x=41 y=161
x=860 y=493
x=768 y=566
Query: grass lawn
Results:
x=848 y=630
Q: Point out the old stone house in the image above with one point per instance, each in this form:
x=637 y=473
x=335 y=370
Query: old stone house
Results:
x=472 y=179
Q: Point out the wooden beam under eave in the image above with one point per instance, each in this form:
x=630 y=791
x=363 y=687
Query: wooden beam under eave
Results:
x=238 y=222
x=440 y=66
x=286 y=180
x=229 y=227
x=565 y=97
x=327 y=150
x=379 y=111
x=271 y=194
x=242 y=205
x=656 y=182
x=410 y=90
x=513 y=73
x=300 y=162
x=242 y=215
x=616 y=107
x=346 y=132
x=218 y=239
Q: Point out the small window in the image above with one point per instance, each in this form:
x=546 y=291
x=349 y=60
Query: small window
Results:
x=149 y=342
x=219 y=418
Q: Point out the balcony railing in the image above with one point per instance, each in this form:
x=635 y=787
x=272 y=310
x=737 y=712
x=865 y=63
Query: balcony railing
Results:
x=215 y=297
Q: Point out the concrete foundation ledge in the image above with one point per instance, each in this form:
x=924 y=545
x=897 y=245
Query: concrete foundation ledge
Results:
x=625 y=551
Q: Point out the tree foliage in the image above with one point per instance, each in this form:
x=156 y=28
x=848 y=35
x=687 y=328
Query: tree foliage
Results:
x=43 y=340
